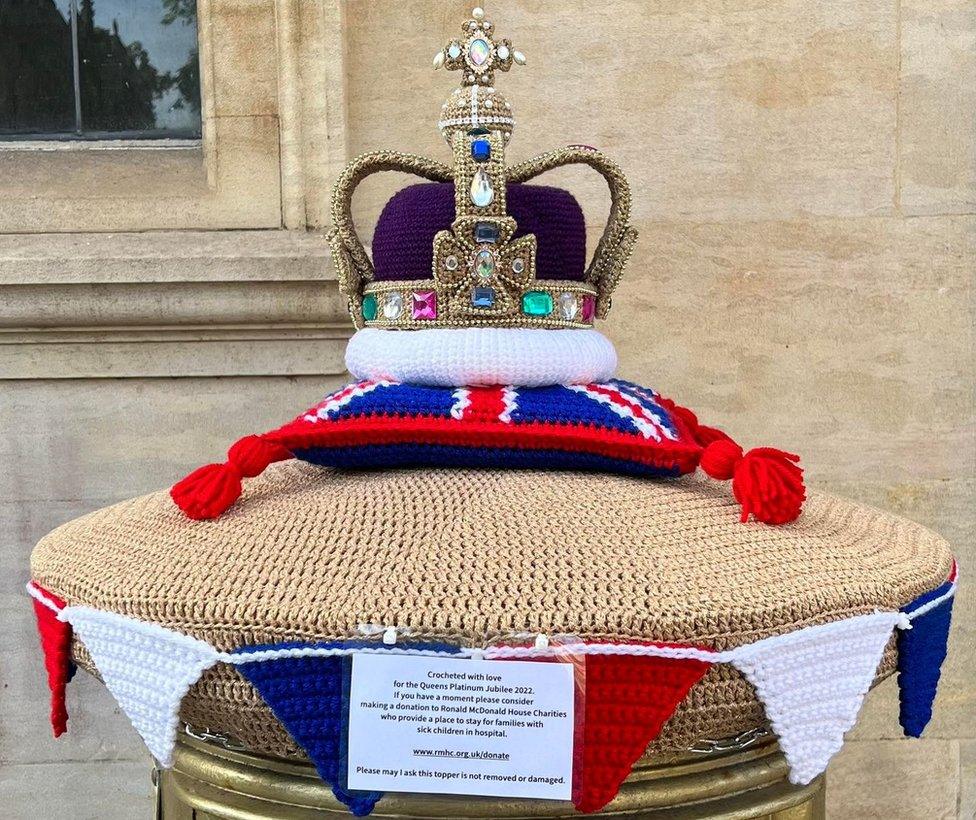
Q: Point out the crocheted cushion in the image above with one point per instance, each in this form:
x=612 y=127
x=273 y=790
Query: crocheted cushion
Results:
x=464 y=556
x=614 y=426
x=403 y=242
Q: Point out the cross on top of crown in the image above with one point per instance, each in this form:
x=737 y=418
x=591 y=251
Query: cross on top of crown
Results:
x=477 y=55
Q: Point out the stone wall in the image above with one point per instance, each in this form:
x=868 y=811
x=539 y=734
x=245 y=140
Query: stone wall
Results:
x=805 y=178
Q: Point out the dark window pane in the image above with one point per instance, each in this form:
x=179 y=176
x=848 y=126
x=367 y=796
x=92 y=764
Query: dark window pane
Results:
x=137 y=73
x=36 y=73
x=139 y=65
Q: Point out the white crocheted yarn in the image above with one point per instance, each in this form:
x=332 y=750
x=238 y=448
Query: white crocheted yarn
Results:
x=147 y=668
x=449 y=357
x=812 y=683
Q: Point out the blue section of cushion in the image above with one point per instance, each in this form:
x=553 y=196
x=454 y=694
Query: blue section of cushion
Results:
x=400 y=400
x=309 y=695
x=560 y=405
x=921 y=651
x=648 y=399
x=434 y=455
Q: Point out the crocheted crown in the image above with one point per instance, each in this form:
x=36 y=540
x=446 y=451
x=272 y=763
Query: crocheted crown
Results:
x=479 y=249
x=403 y=242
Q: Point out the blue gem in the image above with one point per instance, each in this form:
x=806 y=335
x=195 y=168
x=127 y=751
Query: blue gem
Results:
x=485 y=232
x=480 y=150
x=483 y=297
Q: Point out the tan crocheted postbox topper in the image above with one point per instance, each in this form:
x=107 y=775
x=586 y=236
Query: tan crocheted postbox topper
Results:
x=473 y=556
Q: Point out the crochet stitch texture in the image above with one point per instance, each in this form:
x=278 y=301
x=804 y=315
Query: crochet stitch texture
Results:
x=595 y=555
x=403 y=241
x=921 y=651
x=449 y=357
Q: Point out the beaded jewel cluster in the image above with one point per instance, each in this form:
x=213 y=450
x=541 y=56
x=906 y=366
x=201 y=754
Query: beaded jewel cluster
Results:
x=482 y=275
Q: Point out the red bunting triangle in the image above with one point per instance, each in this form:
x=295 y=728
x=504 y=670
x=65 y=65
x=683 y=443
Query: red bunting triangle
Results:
x=628 y=699
x=56 y=643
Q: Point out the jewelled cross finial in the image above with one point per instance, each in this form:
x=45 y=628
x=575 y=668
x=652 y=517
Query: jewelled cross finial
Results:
x=477 y=55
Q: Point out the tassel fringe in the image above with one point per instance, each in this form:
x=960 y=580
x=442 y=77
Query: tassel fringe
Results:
x=210 y=490
x=767 y=483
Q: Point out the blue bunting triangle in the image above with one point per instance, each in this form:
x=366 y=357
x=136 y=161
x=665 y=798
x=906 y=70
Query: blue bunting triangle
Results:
x=921 y=651
x=310 y=696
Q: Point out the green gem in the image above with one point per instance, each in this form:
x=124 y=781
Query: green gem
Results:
x=369 y=307
x=536 y=303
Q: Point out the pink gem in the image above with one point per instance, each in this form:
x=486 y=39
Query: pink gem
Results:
x=589 y=308
x=425 y=304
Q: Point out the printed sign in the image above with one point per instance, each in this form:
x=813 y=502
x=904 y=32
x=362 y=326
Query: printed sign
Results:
x=457 y=726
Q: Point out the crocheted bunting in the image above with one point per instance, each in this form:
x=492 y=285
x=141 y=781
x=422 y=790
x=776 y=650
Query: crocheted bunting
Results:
x=310 y=696
x=628 y=700
x=616 y=427
x=56 y=644
x=147 y=668
x=812 y=683
x=921 y=651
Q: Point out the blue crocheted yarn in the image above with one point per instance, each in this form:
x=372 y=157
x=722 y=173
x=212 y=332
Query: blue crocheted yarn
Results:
x=548 y=405
x=921 y=651
x=435 y=455
x=310 y=696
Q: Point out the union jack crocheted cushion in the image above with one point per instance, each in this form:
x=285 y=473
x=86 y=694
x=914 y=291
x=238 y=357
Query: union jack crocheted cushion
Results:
x=616 y=426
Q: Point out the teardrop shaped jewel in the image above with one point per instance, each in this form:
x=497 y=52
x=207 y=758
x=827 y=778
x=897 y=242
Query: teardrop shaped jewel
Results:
x=482 y=193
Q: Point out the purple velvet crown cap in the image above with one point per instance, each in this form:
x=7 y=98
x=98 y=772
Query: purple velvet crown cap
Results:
x=403 y=242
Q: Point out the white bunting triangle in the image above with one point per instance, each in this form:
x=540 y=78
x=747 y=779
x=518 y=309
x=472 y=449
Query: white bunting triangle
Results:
x=147 y=668
x=812 y=683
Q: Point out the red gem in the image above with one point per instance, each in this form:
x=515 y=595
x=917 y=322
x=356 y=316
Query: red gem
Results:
x=589 y=308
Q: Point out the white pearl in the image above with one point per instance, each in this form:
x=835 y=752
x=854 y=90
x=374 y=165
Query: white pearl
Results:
x=438 y=60
x=478 y=13
x=519 y=57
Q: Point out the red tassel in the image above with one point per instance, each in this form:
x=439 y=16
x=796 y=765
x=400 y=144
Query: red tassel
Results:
x=56 y=643
x=210 y=490
x=767 y=482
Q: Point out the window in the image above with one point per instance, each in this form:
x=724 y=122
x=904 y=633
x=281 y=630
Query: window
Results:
x=95 y=69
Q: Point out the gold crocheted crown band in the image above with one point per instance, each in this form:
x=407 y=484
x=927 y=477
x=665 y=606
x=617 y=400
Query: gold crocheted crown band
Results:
x=482 y=275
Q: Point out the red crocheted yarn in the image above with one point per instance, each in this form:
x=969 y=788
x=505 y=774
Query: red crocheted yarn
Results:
x=767 y=483
x=720 y=457
x=628 y=700
x=56 y=643
x=381 y=423
x=211 y=489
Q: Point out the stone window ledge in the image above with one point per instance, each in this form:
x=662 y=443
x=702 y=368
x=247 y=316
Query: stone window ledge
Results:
x=169 y=304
